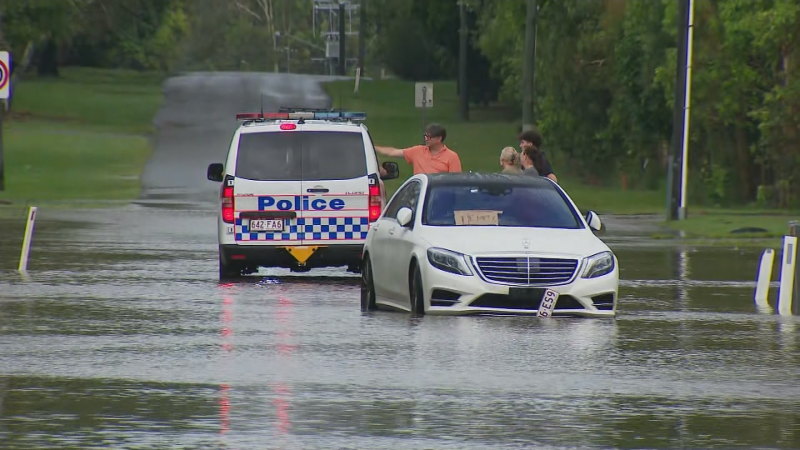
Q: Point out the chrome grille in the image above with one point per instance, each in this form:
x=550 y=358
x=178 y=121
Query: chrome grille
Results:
x=527 y=270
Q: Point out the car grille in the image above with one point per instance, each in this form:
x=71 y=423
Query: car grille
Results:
x=533 y=302
x=527 y=270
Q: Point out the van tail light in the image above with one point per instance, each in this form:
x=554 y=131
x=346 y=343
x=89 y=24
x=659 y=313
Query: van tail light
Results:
x=226 y=197
x=375 y=205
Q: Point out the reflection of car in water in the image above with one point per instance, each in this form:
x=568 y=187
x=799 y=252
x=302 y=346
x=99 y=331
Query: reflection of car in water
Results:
x=486 y=243
x=299 y=190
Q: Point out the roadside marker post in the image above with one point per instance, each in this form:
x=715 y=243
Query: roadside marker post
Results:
x=794 y=230
x=764 y=278
x=787 y=275
x=26 y=241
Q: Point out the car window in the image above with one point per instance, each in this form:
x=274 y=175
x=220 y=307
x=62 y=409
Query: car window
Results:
x=406 y=196
x=268 y=156
x=522 y=206
x=310 y=155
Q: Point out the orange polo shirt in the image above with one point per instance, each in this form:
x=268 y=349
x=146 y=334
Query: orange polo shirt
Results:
x=423 y=161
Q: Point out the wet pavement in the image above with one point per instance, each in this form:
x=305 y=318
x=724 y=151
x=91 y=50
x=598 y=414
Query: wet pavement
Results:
x=121 y=336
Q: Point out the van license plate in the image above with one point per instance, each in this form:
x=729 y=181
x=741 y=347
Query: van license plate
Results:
x=266 y=224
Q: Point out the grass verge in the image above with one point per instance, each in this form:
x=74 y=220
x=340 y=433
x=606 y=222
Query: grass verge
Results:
x=81 y=138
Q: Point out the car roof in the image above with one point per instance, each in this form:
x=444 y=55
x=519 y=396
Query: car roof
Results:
x=487 y=179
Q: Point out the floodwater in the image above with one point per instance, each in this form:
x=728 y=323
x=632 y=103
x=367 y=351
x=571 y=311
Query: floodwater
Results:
x=121 y=336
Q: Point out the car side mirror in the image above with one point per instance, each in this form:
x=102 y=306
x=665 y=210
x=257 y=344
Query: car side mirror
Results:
x=404 y=216
x=390 y=170
x=594 y=221
x=214 y=172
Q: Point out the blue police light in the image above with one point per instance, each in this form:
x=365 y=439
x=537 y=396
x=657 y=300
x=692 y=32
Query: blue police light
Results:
x=302 y=115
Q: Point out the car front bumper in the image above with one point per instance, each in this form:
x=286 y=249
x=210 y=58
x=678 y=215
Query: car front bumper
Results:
x=450 y=294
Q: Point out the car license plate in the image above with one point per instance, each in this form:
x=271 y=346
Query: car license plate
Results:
x=548 y=303
x=266 y=224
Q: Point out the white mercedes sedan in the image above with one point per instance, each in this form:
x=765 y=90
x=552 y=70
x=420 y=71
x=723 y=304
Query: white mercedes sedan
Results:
x=469 y=243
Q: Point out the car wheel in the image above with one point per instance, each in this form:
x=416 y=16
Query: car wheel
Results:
x=417 y=292
x=229 y=271
x=367 y=286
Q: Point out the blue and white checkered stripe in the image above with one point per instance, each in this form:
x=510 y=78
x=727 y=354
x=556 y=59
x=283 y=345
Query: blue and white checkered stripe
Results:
x=312 y=228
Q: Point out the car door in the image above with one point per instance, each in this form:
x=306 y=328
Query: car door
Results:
x=334 y=197
x=391 y=247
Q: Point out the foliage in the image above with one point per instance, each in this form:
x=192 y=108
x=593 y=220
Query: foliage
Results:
x=604 y=80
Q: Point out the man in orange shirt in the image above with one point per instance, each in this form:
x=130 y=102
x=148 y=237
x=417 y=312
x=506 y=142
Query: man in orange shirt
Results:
x=433 y=157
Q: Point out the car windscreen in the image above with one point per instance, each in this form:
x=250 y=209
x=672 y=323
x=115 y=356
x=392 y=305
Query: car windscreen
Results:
x=304 y=155
x=499 y=205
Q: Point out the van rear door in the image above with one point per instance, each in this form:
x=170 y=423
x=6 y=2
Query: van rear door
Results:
x=267 y=186
x=335 y=187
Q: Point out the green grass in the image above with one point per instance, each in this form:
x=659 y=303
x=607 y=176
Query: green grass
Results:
x=82 y=137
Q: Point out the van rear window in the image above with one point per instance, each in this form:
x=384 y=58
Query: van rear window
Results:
x=304 y=155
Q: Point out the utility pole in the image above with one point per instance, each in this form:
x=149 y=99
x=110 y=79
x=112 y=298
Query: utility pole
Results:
x=362 y=35
x=342 y=39
x=675 y=162
x=463 y=90
x=529 y=65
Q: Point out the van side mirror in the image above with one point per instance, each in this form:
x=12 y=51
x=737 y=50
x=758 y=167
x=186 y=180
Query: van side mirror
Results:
x=390 y=170
x=214 y=172
x=594 y=221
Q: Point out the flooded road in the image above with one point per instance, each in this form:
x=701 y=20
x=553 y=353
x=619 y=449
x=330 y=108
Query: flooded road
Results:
x=121 y=336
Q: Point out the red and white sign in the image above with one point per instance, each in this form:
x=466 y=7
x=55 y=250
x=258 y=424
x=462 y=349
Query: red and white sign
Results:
x=5 y=74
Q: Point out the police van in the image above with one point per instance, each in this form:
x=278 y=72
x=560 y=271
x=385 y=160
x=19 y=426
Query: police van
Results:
x=299 y=191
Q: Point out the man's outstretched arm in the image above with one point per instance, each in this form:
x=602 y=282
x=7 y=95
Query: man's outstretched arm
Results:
x=389 y=151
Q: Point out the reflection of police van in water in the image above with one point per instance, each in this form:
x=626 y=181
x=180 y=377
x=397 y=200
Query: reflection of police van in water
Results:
x=299 y=190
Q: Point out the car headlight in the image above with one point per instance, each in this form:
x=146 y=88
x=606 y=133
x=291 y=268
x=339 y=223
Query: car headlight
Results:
x=597 y=265
x=449 y=261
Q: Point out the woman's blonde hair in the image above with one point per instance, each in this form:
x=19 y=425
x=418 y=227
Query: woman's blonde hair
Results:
x=510 y=155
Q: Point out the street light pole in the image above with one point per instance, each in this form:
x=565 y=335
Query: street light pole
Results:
x=686 y=109
x=529 y=65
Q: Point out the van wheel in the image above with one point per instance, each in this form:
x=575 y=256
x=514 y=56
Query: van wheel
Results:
x=417 y=292
x=367 y=286
x=229 y=271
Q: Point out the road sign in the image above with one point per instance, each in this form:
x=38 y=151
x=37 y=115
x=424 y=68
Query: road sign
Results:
x=5 y=74
x=423 y=95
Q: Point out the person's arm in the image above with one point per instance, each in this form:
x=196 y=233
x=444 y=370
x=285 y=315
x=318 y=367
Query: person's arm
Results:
x=390 y=151
x=455 y=164
x=546 y=169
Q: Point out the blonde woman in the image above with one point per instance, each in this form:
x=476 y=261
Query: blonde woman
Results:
x=509 y=161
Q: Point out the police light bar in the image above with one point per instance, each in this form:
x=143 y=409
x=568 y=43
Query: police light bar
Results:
x=302 y=115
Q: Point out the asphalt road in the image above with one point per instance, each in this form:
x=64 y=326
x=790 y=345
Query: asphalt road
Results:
x=195 y=123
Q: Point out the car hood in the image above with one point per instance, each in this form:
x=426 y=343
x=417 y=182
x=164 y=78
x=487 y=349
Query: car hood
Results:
x=516 y=240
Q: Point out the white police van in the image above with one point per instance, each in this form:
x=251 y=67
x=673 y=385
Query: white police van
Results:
x=299 y=190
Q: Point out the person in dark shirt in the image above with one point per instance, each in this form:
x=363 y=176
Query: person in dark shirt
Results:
x=530 y=143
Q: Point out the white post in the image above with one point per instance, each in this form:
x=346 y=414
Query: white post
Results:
x=26 y=241
x=358 y=79
x=764 y=278
x=686 y=109
x=787 y=275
